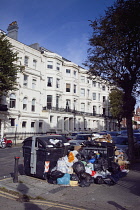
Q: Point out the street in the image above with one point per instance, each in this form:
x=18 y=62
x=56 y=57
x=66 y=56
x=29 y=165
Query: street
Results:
x=7 y=160
x=9 y=202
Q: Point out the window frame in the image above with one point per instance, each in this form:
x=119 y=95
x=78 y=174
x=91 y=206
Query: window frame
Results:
x=50 y=64
x=94 y=96
x=82 y=79
x=12 y=100
x=74 y=73
x=34 y=63
x=24 y=105
x=58 y=66
x=68 y=87
x=68 y=71
x=34 y=82
x=82 y=108
x=26 y=60
x=103 y=87
x=57 y=83
x=49 y=102
x=24 y=123
x=32 y=124
x=49 y=81
x=33 y=105
x=12 y=122
x=25 y=80
x=94 y=83
x=74 y=88
x=82 y=92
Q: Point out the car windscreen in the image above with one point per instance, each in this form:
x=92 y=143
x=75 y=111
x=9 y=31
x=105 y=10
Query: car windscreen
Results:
x=82 y=137
x=121 y=141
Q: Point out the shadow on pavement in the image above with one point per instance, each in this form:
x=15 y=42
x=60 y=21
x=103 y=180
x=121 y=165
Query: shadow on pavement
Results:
x=23 y=197
x=116 y=205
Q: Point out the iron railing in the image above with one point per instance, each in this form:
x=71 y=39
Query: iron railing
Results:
x=74 y=112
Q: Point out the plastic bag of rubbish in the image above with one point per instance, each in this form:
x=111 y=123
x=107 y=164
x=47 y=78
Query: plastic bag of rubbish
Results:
x=56 y=174
x=72 y=156
x=80 y=156
x=85 y=179
x=65 y=180
x=74 y=177
x=115 y=168
x=56 y=142
x=101 y=164
x=88 y=170
x=84 y=183
x=78 y=167
x=63 y=165
x=53 y=175
x=99 y=180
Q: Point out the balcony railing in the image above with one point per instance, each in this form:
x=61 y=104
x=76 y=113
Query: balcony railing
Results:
x=3 y=107
x=74 y=112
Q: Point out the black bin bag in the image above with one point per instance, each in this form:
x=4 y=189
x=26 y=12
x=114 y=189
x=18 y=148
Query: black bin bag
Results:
x=78 y=167
x=53 y=176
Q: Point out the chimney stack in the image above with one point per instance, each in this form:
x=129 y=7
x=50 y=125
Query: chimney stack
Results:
x=13 y=30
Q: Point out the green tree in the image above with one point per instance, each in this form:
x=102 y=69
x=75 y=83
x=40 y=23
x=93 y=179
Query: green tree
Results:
x=116 y=105
x=114 y=54
x=8 y=67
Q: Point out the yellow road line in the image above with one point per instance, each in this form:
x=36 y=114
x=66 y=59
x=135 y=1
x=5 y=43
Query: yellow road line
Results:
x=5 y=196
x=39 y=202
x=9 y=194
x=55 y=204
x=5 y=178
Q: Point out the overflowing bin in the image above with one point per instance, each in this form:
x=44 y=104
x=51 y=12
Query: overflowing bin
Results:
x=52 y=158
x=41 y=153
x=104 y=149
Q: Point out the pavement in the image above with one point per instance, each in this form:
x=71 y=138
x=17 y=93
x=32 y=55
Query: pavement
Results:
x=125 y=195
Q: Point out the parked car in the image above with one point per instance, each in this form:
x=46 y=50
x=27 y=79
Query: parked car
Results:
x=8 y=142
x=124 y=132
x=80 y=138
x=74 y=134
x=121 y=142
x=112 y=133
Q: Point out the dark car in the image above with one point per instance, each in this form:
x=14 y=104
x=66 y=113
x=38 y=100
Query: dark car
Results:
x=122 y=141
x=113 y=133
x=80 y=138
x=124 y=132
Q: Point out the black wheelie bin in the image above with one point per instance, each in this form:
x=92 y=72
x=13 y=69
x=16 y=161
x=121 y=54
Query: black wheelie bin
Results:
x=41 y=154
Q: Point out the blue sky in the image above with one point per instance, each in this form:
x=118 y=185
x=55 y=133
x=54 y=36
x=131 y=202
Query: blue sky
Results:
x=61 y=26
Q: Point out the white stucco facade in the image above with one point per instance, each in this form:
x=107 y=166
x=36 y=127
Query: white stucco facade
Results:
x=54 y=94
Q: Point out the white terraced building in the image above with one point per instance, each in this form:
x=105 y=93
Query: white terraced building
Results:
x=54 y=94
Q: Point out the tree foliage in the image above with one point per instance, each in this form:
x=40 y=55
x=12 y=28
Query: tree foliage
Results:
x=114 y=54
x=8 y=67
x=116 y=105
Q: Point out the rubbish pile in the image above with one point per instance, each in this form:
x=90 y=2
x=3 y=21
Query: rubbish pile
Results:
x=53 y=159
x=95 y=161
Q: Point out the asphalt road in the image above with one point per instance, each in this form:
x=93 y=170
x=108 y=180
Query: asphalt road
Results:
x=10 y=202
x=7 y=160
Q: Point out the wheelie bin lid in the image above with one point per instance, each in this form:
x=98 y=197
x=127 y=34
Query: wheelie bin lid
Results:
x=47 y=140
